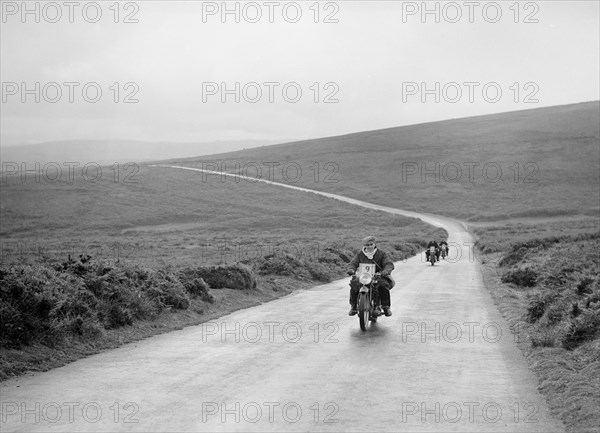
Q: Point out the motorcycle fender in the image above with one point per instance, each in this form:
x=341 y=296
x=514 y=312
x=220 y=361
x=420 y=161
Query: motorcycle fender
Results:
x=364 y=289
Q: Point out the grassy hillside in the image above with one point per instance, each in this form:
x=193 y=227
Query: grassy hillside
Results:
x=154 y=242
x=528 y=163
x=167 y=216
x=544 y=278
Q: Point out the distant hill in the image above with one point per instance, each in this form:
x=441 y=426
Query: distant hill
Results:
x=111 y=151
x=535 y=162
x=531 y=163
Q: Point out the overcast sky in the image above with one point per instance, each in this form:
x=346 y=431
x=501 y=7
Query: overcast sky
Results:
x=365 y=62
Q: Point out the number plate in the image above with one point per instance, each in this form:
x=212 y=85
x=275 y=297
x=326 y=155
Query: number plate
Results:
x=367 y=267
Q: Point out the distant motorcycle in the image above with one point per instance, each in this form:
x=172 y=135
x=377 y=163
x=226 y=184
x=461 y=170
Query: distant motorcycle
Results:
x=368 y=310
x=444 y=249
x=432 y=255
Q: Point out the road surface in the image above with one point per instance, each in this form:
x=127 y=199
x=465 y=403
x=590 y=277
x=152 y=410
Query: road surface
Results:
x=445 y=361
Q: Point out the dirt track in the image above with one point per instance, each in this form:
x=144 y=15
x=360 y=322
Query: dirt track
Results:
x=445 y=361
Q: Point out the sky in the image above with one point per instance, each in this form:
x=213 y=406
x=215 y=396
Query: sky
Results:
x=211 y=71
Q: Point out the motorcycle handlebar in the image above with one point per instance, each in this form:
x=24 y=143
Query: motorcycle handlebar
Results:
x=376 y=274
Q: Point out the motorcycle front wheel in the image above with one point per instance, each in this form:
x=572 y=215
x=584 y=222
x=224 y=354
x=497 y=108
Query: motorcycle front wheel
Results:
x=363 y=311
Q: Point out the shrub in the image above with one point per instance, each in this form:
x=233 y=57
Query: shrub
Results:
x=523 y=277
x=51 y=303
x=13 y=332
x=168 y=290
x=592 y=299
x=345 y=256
x=238 y=276
x=513 y=257
x=286 y=265
x=113 y=315
x=543 y=338
x=583 y=287
x=582 y=328
x=537 y=306
x=195 y=286
x=80 y=326
x=35 y=300
x=329 y=257
x=319 y=272
x=406 y=249
x=555 y=312
x=121 y=296
x=575 y=310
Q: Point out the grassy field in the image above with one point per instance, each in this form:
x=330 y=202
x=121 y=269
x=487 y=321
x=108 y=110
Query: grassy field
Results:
x=147 y=239
x=173 y=216
x=544 y=278
x=540 y=162
x=496 y=238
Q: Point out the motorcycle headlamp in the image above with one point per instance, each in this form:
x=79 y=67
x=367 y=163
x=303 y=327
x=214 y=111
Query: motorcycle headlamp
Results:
x=365 y=278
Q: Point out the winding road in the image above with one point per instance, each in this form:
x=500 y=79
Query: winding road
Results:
x=445 y=361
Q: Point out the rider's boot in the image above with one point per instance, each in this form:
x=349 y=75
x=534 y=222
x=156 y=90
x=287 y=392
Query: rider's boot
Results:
x=377 y=311
x=353 y=311
x=387 y=311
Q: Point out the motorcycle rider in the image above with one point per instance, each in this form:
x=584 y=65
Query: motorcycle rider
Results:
x=384 y=265
x=443 y=245
x=433 y=243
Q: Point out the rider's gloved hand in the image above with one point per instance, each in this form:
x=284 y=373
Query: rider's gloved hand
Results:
x=385 y=273
x=349 y=272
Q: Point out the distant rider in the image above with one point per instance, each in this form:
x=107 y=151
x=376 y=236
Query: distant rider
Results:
x=443 y=246
x=384 y=265
x=437 y=249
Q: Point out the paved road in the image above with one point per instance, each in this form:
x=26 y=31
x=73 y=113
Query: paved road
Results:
x=445 y=361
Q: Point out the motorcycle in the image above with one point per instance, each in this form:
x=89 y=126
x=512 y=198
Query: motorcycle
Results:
x=368 y=310
x=444 y=251
x=432 y=255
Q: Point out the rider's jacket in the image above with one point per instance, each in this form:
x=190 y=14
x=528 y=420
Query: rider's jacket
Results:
x=381 y=259
x=433 y=244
